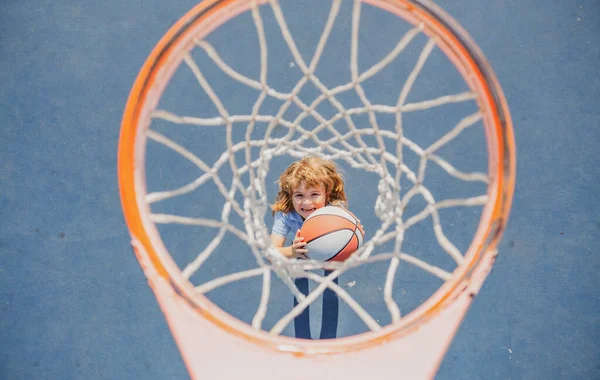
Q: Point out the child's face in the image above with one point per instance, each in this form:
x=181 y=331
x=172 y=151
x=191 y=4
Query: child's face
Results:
x=306 y=200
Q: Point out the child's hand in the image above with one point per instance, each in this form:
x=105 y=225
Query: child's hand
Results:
x=298 y=249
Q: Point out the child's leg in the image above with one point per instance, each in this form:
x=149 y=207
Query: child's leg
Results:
x=302 y=321
x=329 y=323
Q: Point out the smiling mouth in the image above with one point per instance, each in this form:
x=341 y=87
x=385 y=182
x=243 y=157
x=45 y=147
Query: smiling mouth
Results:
x=309 y=209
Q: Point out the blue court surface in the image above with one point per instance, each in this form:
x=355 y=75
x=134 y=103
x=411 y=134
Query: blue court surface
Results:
x=74 y=303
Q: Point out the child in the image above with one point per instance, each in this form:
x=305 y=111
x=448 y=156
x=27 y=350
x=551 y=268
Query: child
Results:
x=304 y=187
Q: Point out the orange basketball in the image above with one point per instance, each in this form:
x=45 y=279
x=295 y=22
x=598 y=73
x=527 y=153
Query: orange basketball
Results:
x=332 y=234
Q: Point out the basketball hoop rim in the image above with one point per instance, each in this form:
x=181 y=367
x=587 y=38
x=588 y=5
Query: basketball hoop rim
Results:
x=474 y=68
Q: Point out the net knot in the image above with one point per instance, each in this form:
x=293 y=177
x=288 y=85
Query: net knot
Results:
x=386 y=204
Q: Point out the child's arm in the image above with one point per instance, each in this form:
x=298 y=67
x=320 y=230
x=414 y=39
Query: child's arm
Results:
x=295 y=250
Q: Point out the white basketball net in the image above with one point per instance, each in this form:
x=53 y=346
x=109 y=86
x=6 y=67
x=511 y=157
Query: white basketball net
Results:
x=348 y=147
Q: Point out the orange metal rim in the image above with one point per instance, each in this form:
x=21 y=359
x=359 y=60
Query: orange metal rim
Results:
x=460 y=49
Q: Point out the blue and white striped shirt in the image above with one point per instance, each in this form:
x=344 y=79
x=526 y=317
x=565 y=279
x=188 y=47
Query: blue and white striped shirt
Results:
x=286 y=223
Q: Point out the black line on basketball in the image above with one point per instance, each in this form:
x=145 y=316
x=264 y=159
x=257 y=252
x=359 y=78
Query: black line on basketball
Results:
x=344 y=247
x=330 y=232
x=320 y=216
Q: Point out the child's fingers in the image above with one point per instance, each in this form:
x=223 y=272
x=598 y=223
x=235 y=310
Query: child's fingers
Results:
x=301 y=252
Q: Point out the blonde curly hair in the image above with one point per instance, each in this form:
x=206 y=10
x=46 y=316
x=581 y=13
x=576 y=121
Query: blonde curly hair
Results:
x=314 y=172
